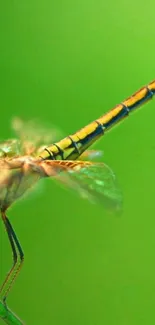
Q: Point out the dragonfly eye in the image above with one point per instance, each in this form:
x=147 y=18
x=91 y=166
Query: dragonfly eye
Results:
x=2 y=153
x=9 y=148
x=6 y=152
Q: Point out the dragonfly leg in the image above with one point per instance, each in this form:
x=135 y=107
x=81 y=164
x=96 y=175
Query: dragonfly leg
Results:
x=17 y=252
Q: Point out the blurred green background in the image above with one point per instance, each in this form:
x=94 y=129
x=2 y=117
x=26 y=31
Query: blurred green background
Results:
x=68 y=62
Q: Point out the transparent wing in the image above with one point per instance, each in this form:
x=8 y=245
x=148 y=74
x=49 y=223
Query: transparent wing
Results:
x=91 y=154
x=93 y=181
x=34 y=137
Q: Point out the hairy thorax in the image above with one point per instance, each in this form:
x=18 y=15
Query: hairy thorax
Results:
x=17 y=175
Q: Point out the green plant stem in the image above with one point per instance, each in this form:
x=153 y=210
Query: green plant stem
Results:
x=8 y=317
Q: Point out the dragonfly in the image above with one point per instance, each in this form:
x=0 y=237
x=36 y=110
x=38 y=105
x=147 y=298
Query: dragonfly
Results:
x=29 y=158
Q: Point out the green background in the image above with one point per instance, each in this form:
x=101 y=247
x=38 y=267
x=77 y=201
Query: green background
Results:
x=67 y=62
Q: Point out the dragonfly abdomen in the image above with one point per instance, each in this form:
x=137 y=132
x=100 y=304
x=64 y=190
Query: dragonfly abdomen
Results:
x=123 y=109
x=74 y=145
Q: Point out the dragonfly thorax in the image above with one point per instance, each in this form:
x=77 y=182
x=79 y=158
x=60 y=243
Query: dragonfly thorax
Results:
x=17 y=175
